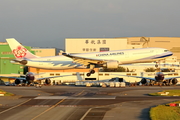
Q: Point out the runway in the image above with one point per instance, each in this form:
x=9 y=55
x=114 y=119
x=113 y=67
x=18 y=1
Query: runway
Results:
x=80 y=103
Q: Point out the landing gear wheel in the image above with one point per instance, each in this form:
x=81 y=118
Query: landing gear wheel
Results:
x=92 y=71
x=88 y=74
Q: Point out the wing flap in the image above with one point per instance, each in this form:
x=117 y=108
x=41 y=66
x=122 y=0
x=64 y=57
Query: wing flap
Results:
x=21 y=78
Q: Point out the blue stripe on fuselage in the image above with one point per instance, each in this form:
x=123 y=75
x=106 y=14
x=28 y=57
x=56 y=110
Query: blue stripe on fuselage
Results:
x=163 y=56
x=156 y=57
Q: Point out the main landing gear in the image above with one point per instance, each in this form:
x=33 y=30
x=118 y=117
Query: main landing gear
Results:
x=91 y=71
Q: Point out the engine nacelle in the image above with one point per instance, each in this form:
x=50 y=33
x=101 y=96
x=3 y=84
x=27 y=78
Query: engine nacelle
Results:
x=143 y=81
x=47 y=81
x=111 y=64
x=174 y=81
x=17 y=81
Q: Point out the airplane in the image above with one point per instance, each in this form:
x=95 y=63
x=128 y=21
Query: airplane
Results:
x=30 y=78
x=107 y=59
x=158 y=78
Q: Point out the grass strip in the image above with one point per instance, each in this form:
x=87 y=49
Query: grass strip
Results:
x=5 y=93
x=171 y=93
x=165 y=112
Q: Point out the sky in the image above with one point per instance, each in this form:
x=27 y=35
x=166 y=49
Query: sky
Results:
x=46 y=23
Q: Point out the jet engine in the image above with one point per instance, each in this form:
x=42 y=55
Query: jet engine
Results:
x=47 y=81
x=111 y=64
x=143 y=81
x=174 y=81
x=17 y=81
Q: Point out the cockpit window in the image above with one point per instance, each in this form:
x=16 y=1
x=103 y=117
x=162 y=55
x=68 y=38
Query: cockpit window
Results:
x=166 y=50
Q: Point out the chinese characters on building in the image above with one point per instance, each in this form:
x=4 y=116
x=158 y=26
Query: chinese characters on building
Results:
x=95 y=41
x=89 y=49
x=91 y=42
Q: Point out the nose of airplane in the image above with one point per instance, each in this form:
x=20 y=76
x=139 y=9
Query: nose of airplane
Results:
x=170 y=53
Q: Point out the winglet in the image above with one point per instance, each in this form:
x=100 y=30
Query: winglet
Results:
x=18 y=50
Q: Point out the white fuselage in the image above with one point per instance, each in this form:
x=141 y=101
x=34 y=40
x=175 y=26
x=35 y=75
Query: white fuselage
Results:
x=121 y=56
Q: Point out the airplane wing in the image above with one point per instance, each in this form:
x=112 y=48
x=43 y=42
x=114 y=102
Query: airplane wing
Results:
x=20 y=78
x=171 y=78
x=52 y=77
x=84 y=61
x=136 y=77
x=149 y=78
x=23 y=78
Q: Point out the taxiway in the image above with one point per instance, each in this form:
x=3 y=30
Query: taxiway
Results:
x=81 y=103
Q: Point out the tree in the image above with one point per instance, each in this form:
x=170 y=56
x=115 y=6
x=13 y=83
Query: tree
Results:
x=165 y=70
x=150 y=70
x=119 y=69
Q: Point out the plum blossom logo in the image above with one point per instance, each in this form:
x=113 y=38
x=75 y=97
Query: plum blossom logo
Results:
x=19 y=52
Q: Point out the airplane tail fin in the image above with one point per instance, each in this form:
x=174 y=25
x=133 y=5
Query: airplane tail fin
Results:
x=19 y=50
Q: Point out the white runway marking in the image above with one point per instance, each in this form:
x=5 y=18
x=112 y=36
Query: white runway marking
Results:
x=160 y=87
x=71 y=97
x=15 y=106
